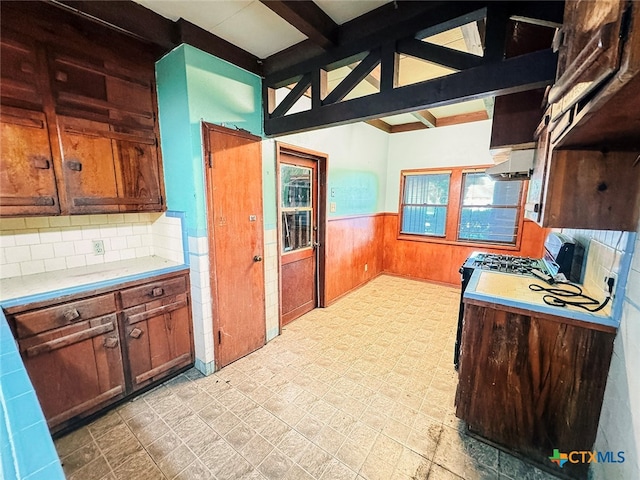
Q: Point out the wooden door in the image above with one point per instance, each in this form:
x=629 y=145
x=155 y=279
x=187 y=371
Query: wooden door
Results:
x=298 y=214
x=233 y=164
x=157 y=328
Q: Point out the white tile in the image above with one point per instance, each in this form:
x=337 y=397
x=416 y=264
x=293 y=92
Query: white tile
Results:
x=127 y=253
x=10 y=270
x=124 y=230
x=63 y=249
x=60 y=221
x=83 y=247
x=131 y=217
x=75 y=261
x=37 y=222
x=52 y=264
x=147 y=239
x=141 y=229
x=31 y=267
x=91 y=233
x=27 y=237
x=142 y=252
x=108 y=231
x=144 y=217
x=42 y=251
x=94 y=259
x=134 y=241
x=7 y=239
x=18 y=254
x=118 y=243
x=112 y=256
x=12 y=224
x=50 y=235
x=71 y=234
x=80 y=220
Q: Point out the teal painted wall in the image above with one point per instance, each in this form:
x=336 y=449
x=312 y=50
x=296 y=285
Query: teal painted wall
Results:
x=194 y=86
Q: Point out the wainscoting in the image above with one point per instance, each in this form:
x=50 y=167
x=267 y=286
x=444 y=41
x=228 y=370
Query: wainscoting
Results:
x=353 y=243
x=371 y=240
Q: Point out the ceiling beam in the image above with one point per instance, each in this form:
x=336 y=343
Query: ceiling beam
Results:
x=139 y=22
x=380 y=125
x=293 y=96
x=355 y=76
x=463 y=118
x=517 y=74
x=425 y=117
x=308 y=18
x=447 y=57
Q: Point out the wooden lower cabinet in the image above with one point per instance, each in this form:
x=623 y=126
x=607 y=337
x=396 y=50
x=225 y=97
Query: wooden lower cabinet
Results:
x=532 y=383
x=84 y=353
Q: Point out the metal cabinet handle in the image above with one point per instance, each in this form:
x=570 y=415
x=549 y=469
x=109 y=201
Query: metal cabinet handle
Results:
x=40 y=162
x=110 y=342
x=74 y=165
x=157 y=292
x=257 y=258
x=71 y=315
x=135 y=333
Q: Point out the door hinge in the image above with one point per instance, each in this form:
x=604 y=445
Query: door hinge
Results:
x=219 y=337
x=210 y=159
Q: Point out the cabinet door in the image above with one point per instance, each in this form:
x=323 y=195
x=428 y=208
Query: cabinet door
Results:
x=533 y=205
x=75 y=369
x=27 y=180
x=158 y=333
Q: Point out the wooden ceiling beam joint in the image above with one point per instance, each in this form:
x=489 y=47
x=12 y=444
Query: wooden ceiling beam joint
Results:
x=354 y=77
x=308 y=18
x=444 y=56
x=292 y=97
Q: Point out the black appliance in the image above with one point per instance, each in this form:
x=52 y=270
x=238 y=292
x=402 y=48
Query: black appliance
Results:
x=558 y=258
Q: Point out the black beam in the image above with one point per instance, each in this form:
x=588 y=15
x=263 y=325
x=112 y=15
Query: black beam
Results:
x=355 y=76
x=308 y=18
x=366 y=33
x=437 y=54
x=521 y=73
x=207 y=42
x=293 y=96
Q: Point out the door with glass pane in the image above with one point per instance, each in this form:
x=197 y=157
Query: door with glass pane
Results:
x=298 y=210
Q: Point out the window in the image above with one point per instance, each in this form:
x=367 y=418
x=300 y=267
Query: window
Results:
x=296 y=204
x=424 y=204
x=459 y=206
x=489 y=210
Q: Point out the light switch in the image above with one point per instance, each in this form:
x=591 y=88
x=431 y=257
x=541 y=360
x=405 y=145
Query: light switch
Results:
x=332 y=207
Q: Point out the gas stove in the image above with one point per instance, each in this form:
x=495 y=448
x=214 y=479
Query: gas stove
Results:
x=504 y=263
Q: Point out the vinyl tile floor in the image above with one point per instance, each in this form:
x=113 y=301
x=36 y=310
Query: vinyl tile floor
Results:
x=363 y=389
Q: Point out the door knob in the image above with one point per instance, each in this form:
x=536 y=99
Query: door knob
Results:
x=257 y=258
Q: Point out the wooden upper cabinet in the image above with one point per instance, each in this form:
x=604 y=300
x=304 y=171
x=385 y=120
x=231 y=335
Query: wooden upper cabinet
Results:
x=79 y=129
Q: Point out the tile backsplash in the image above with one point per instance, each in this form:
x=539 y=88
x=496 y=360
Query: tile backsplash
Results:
x=44 y=244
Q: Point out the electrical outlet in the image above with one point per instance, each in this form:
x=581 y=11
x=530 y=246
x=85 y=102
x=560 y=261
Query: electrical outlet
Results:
x=366 y=267
x=612 y=277
x=332 y=207
x=98 y=247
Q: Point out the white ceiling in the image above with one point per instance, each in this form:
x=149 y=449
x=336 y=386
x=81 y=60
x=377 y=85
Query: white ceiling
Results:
x=251 y=25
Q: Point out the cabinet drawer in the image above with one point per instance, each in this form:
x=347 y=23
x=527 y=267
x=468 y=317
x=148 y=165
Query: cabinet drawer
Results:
x=38 y=321
x=153 y=291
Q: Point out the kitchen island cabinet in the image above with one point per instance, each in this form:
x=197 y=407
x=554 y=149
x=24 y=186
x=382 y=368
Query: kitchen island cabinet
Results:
x=532 y=382
x=88 y=350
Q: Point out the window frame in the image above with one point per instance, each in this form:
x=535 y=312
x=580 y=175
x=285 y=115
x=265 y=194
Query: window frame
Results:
x=454 y=210
x=408 y=173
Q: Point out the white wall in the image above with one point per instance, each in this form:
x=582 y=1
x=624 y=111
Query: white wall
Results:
x=452 y=146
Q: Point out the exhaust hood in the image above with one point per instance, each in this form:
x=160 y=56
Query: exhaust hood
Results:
x=519 y=166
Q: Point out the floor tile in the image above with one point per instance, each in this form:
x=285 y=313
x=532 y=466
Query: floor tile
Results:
x=363 y=389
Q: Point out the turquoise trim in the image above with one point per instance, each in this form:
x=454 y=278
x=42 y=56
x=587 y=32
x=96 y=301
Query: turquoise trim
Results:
x=88 y=287
x=26 y=447
x=205 y=368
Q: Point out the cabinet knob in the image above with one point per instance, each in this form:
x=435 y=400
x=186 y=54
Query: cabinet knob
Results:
x=71 y=315
x=257 y=258
x=135 y=333
x=157 y=292
x=110 y=342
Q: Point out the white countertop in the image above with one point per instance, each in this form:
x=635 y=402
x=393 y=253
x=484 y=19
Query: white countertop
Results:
x=513 y=290
x=29 y=288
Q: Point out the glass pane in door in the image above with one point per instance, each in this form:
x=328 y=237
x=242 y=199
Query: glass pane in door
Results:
x=295 y=187
x=296 y=230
